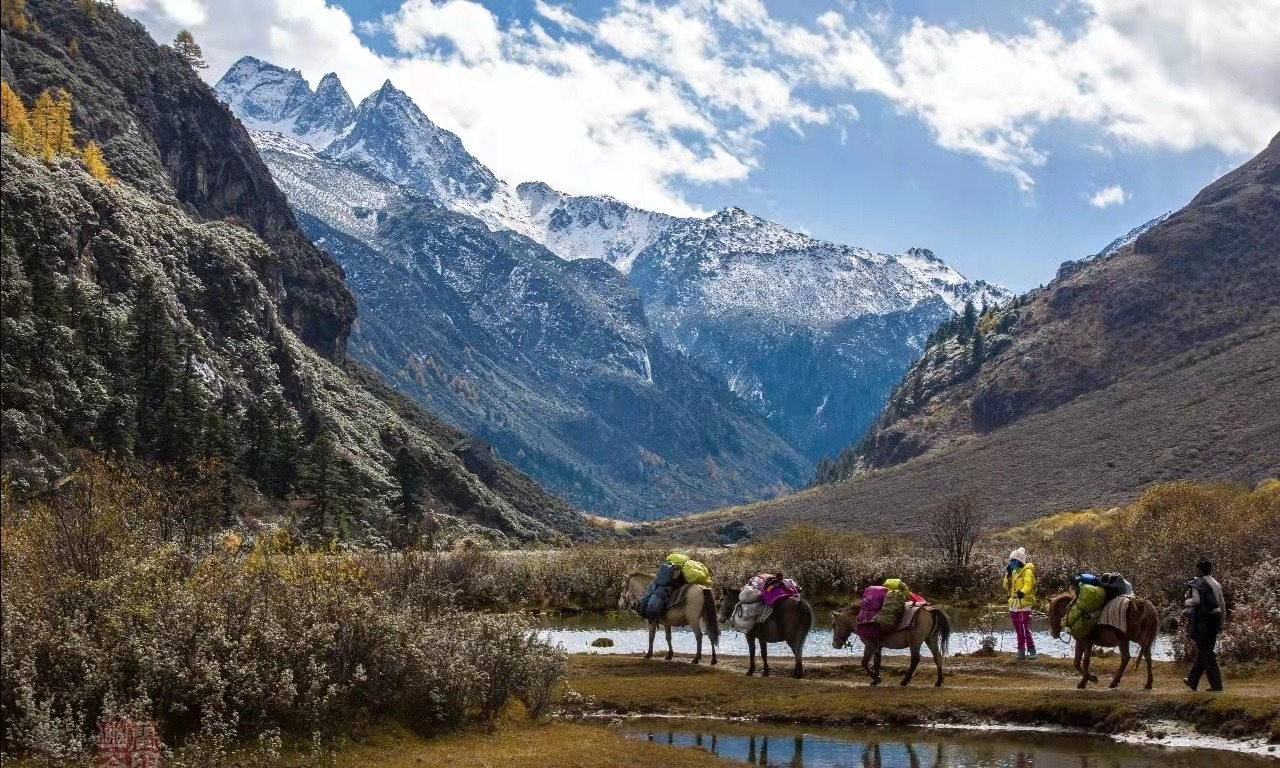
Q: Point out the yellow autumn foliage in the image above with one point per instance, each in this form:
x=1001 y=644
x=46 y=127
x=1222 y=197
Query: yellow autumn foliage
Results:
x=13 y=114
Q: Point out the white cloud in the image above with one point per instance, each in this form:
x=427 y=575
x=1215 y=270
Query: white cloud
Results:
x=1109 y=196
x=560 y=16
x=183 y=13
x=652 y=96
x=469 y=26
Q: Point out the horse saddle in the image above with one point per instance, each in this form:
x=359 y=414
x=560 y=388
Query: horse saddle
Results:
x=909 y=614
x=677 y=596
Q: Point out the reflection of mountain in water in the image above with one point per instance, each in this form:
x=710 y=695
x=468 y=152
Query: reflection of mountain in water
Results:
x=781 y=747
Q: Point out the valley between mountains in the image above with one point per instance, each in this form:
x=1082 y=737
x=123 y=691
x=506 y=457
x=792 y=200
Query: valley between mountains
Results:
x=638 y=364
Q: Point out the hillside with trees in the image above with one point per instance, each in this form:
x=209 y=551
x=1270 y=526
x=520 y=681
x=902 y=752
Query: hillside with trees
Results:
x=160 y=304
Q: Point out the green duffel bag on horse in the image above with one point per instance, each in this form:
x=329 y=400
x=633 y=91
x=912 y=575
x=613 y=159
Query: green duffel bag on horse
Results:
x=694 y=571
x=1084 y=611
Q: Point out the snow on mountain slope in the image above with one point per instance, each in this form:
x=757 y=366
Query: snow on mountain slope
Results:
x=270 y=98
x=591 y=227
x=736 y=262
x=812 y=335
x=393 y=139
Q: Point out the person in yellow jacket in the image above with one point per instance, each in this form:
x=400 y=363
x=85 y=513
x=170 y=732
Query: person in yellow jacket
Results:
x=1020 y=583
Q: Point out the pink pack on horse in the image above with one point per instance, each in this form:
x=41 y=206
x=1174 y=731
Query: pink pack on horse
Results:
x=778 y=589
x=872 y=601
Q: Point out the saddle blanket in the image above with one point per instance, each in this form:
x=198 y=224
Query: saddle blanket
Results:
x=908 y=616
x=1116 y=614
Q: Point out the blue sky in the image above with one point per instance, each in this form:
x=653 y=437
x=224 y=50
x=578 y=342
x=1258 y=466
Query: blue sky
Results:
x=1006 y=137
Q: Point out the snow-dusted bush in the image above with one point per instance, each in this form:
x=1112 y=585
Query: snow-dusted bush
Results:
x=1252 y=631
x=105 y=614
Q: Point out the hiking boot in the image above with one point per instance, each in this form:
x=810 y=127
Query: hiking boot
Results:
x=1031 y=654
x=1187 y=683
x=1216 y=690
x=1022 y=656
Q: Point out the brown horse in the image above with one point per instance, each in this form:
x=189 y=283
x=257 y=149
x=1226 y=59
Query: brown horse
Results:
x=789 y=623
x=1143 y=623
x=931 y=626
x=698 y=609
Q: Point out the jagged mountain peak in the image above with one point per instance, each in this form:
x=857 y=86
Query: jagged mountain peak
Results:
x=271 y=98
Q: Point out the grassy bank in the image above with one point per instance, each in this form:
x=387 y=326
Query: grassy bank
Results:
x=976 y=690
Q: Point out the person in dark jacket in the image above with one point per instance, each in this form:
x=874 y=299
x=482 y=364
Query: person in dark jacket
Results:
x=1205 y=609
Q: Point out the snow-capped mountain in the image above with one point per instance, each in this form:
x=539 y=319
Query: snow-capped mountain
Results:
x=591 y=227
x=809 y=334
x=270 y=98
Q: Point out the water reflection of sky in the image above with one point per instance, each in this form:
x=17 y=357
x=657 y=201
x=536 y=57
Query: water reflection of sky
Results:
x=920 y=748
x=630 y=635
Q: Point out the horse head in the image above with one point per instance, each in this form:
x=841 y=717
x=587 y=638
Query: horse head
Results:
x=842 y=626
x=632 y=589
x=726 y=603
x=1057 y=610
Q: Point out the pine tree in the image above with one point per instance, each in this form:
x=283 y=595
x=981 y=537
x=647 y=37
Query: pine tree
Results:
x=13 y=114
x=154 y=366
x=325 y=480
x=95 y=163
x=13 y=14
x=978 y=349
x=188 y=50
x=968 y=321
x=408 y=477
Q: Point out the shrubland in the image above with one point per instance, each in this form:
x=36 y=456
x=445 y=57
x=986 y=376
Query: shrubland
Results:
x=124 y=596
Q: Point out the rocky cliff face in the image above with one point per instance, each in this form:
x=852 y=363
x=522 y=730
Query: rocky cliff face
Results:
x=163 y=131
x=181 y=313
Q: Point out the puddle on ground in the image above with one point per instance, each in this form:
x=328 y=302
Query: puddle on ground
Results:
x=796 y=747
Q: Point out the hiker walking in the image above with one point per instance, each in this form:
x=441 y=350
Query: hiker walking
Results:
x=1020 y=583
x=1204 y=610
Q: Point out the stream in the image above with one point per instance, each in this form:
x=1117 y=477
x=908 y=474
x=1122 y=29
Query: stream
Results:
x=886 y=747
x=629 y=634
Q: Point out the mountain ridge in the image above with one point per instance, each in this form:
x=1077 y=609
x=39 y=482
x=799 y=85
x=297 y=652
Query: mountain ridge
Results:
x=739 y=296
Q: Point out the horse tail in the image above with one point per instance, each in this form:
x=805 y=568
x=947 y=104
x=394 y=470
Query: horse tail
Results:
x=710 y=616
x=942 y=628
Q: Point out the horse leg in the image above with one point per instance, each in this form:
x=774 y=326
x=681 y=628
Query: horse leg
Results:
x=932 y=641
x=1124 y=662
x=875 y=665
x=866 y=661
x=1146 y=649
x=670 y=650
x=653 y=630
x=798 y=651
x=915 y=661
x=697 y=635
x=1086 y=651
x=764 y=656
x=751 y=648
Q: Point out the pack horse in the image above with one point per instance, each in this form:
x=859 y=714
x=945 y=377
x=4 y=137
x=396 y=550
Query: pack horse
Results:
x=697 y=610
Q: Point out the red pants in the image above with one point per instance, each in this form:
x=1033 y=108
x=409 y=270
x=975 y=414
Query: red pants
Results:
x=1022 y=628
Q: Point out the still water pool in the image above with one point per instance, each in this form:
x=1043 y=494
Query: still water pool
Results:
x=630 y=635
x=792 y=747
